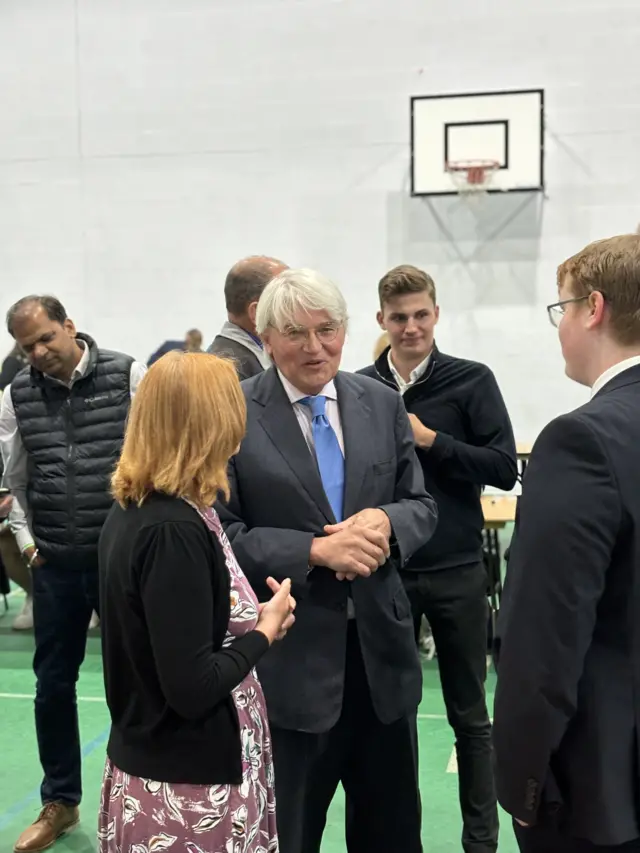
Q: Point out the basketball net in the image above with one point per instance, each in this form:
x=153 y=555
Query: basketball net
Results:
x=471 y=178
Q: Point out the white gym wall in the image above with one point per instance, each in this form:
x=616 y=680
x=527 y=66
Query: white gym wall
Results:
x=145 y=145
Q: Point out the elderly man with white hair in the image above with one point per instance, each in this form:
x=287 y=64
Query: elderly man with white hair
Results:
x=327 y=490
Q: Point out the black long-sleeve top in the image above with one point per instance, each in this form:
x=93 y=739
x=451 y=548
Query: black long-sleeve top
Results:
x=474 y=447
x=165 y=606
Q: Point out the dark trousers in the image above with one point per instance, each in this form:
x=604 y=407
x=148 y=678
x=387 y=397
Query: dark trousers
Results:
x=547 y=839
x=376 y=764
x=455 y=602
x=63 y=598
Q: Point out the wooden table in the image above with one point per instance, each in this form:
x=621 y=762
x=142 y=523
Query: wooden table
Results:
x=498 y=510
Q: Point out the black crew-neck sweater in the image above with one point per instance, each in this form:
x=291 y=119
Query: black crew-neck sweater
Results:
x=474 y=447
x=165 y=606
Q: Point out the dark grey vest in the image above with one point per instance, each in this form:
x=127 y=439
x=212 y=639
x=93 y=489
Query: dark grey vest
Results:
x=73 y=437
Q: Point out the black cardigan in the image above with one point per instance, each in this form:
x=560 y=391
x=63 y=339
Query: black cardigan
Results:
x=165 y=606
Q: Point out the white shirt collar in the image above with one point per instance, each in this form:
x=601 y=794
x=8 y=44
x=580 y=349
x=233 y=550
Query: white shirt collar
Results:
x=80 y=369
x=294 y=395
x=416 y=374
x=609 y=374
x=83 y=364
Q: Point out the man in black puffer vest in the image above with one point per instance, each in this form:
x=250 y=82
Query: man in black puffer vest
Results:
x=62 y=424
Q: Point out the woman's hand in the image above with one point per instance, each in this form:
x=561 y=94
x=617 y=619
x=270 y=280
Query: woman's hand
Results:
x=276 y=616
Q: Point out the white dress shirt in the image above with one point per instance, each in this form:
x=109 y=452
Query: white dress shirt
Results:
x=416 y=374
x=303 y=413
x=609 y=374
x=15 y=457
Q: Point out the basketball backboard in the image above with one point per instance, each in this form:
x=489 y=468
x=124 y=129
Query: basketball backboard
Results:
x=504 y=127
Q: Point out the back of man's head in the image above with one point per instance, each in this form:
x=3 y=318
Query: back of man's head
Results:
x=245 y=282
x=193 y=340
x=610 y=267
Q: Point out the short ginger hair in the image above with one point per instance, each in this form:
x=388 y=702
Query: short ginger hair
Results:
x=612 y=268
x=187 y=419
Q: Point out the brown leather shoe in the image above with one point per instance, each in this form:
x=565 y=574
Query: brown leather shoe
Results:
x=54 y=820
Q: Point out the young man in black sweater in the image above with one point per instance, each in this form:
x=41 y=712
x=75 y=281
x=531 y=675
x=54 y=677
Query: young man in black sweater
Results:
x=464 y=441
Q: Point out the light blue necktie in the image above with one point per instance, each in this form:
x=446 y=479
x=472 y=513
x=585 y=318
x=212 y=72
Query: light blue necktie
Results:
x=328 y=454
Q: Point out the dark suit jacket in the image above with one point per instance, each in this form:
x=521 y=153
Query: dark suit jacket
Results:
x=567 y=706
x=278 y=505
x=247 y=365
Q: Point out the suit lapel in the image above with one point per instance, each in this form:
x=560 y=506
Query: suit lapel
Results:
x=354 y=417
x=280 y=423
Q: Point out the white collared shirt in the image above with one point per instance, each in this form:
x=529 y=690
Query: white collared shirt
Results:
x=303 y=413
x=613 y=371
x=416 y=374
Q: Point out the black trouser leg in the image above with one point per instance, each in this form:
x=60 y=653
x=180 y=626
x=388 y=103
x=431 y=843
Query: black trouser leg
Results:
x=293 y=756
x=455 y=603
x=377 y=765
x=63 y=599
x=383 y=811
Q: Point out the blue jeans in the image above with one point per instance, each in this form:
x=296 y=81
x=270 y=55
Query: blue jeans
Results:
x=63 y=598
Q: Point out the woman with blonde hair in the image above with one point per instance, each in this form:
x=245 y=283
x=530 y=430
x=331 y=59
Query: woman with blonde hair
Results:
x=189 y=765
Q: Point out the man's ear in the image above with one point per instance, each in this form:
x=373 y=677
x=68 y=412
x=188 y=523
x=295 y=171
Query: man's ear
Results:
x=380 y=319
x=69 y=327
x=267 y=346
x=252 y=310
x=596 y=305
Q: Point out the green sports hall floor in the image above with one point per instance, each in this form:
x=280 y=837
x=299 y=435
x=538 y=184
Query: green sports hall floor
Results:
x=20 y=771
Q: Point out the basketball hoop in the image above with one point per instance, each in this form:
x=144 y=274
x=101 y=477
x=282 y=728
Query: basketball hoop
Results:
x=472 y=176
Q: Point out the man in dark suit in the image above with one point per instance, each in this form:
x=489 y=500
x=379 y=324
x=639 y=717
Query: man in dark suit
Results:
x=326 y=489
x=567 y=707
x=238 y=338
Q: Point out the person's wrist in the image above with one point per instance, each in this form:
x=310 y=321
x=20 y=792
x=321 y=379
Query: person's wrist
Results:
x=425 y=438
x=316 y=552
x=268 y=626
x=266 y=632
x=30 y=555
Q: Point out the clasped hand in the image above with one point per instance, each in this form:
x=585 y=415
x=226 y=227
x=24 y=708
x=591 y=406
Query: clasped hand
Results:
x=357 y=546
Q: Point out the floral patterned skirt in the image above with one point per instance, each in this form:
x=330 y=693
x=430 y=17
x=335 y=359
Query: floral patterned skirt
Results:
x=142 y=816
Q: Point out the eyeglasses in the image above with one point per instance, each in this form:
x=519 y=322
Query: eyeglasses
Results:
x=556 y=311
x=325 y=334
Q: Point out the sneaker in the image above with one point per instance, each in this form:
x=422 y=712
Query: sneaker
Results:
x=24 y=619
x=428 y=646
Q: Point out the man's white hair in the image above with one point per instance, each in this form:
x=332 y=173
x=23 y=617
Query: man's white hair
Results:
x=298 y=290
